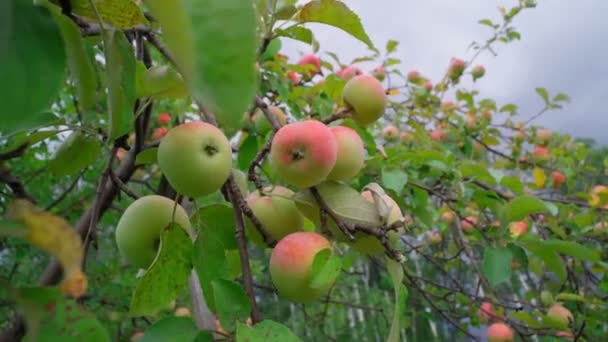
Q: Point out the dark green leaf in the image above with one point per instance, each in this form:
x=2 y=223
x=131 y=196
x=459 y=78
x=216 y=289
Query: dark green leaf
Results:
x=394 y=179
x=573 y=249
x=77 y=152
x=177 y=329
x=298 y=33
x=147 y=156
x=247 y=152
x=520 y=207
x=497 y=265
x=231 y=302
x=265 y=331
x=543 y=93
x=210 y=263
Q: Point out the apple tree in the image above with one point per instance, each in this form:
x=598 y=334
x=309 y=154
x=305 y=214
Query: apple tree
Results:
x=168 y=173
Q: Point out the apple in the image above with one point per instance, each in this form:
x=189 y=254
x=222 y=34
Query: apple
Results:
x=241 y=181
x=349 y=72
x=365 y=95
x=468 y=224
x=293 y=77
x=138 y=229
x=182 y=312
x=434 y=237
x=500 y=332
x=351 y=153
x=160 y=132
x=448 y=105
x=448 y=217
x=390 y=133
x=520 y=135
x=478 y=71
x=486 y=312
x=379 y=73
x=428 y=85
x=262 y=125
x=313 y=61
x=470 y=121
x=414 y=76
x=137 y=336
x=543 y=136
x=196 y=158
x=487 y=114
x=540 y=153
x=276 y=211
x=304 y=153
x=558 y=178
x=546 y=297
x=560 y=314
x=164 y=118
x=518 y=228
x=405 y=137
x=291 y=266
x=456 y=69
x=438 y=135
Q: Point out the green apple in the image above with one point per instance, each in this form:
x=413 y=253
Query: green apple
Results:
x=365 y=95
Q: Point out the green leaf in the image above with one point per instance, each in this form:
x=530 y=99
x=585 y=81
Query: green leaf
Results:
x=543 y=93
x=219 y=220
x=561 y=97
x=574 y=249
x=12 y=228
x=147 y=156
x=122 y=14
x=395 y=270
x=120 y=68
x=160 y=82
x=80 y=65
x=334 y=13
x=265 y=331
x=32 y=63
x=167 y=275
x=231 y=302
x=520 y=207
x=477 y=171
x=214 y=45
x=177 y=329
x=527 y=318
x=297 y=33
x=209 y=259
x=247 y=152
x=497 y=265
x=391 y=46
x=273 y=47
x=549 y=256
x=394 y=179
x=77 y=152
x=570 y=297
x=325 y=269
x=511 y=108
x=285 y=12
x=519 y=255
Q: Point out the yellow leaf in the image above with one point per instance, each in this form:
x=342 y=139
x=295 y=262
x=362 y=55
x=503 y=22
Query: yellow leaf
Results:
x=122 y=14
x=55 y=236
x=539 y=177
x=393 y=91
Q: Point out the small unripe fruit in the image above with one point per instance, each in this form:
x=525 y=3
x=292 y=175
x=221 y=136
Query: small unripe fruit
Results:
x=351 y=153
x=448 y=217
x=448 y=105
x=365 y=95
x=304 y=153
x=160 y=132
x=468 y=224
x=196 y=158
x=164 y=118
x=121 y=153
x=500 y=332
x=390 y=133
x=518 y=228
x=456 y=69
x=277 y=213
x=487 y=114
x=379 y=72
x=139 y=228
x=414 y=76
x=478 y=72
x=349 y=72
x=560 y=314
x=558 y=178
x=546 y=297
x=182 y=312
x=428 y=85
x=434 y=237
x=486 y=312
x=291 y=266
x=470 y=120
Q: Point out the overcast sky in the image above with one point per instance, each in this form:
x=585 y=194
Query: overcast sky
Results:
x=563 y=48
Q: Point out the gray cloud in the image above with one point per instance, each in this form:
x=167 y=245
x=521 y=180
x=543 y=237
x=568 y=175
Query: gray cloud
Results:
x=562 y=48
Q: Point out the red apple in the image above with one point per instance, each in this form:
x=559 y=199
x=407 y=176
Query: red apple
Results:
x=456 y=69
x=560 y=314
x=291 y=266
x=500 y=332
x=164 y=118
x=428 y=85
x=434 y=237
x=405 y=137
x=468 y=224
x=304 y=153
x=558 y=178
x=349 y=72
x=313 y=61
x=540 y=153
x=448 y=217
x=351 y=153
x=518 y=228
x=365 y=95
x=137 y=336
x=544 y=135
x=438 y=135
x=160 y=132
x=486 y=312
x=414 y=76
x=293 y=77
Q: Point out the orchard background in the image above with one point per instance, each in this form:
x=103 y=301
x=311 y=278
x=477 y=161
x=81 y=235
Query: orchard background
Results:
x=475 y=224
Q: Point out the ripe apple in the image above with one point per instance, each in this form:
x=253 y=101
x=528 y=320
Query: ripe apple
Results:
x=428 y=85
x=160 y=132
x=196 y=158
x=164 y=118
x=276 y=211
x=468 y=224
x=560 y=314
x=351 y=153
x=370 y=245
x=304 y=153
x=478 y=71
x=486 y=312
x=138 y=230
x=291 y=266
x=262 y=126
x=540 y=153
x=518 y=228
x=313 y=61
x=558 y=178
x=390 y=133
x=438 y=135
x=379 y=72
x=448 y=217
x=293 y=77
x=434 y=237
x=414 y=76
x=182 y=312
x=349 y=72
x=500 y=332
x=365 y=95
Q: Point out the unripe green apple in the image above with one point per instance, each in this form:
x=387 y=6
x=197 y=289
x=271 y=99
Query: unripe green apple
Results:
x=478 y=72
x=390 y=133
x=138 y=230
x=560 y=314
x=351 y=153
x=365 y=95
x=434 y=237
x=546 y=297
x=262 y=126
x=196 y=158
x=291 y=266
x=500 y=332
x=304 y=153
x=277 y=213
